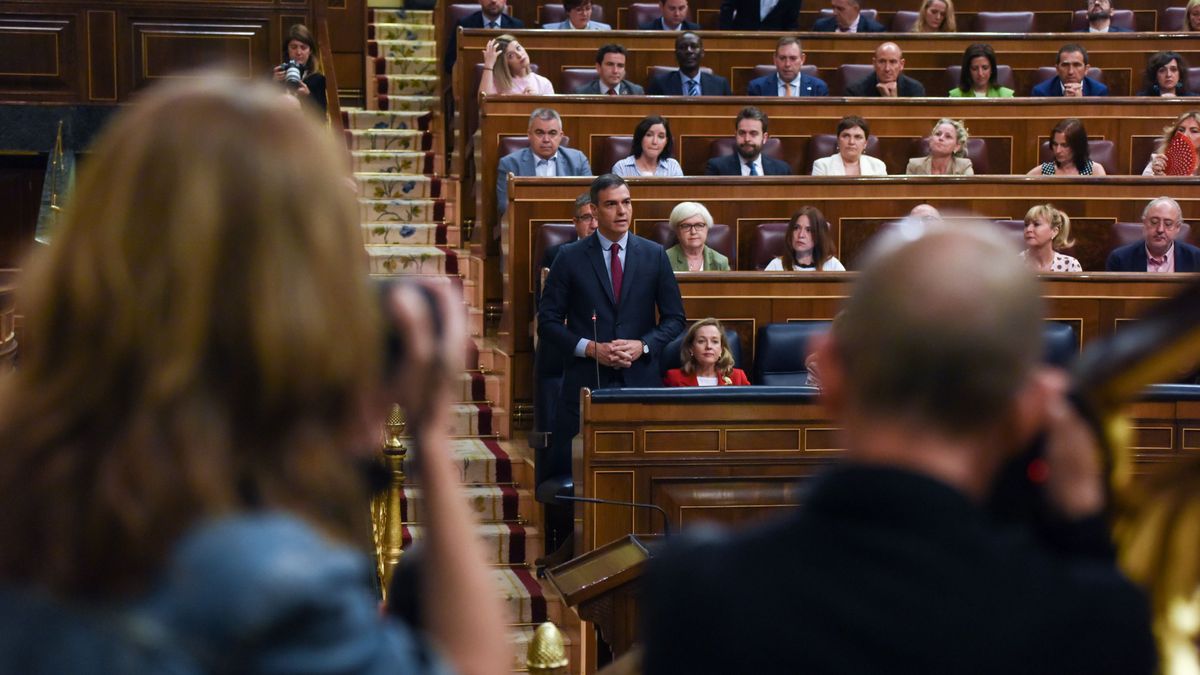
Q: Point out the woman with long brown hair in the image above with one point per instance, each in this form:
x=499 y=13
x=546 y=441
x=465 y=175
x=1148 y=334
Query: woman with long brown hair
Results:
x=202 y=373
x=808 y=244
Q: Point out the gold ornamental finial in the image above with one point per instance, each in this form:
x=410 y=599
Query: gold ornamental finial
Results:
x=546 y=655
x=393 y=430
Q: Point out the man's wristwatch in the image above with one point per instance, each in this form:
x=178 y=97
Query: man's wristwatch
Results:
x=645 y=349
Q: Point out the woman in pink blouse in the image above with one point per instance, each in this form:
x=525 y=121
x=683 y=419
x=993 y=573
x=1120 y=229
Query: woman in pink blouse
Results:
x=511 y=74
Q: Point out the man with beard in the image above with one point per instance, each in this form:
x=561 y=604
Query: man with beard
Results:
x=1099 y=16
x=688 y=80
x=749 y=159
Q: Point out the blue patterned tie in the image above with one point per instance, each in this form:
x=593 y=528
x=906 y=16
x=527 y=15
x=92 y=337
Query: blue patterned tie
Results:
x=693 y=89
x=753 y=169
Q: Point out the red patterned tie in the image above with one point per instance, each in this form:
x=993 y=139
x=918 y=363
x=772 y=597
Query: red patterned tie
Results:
x=617 y=272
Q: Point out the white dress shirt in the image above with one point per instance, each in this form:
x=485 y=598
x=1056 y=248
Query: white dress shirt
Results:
x=606 y=254
x=545 y=167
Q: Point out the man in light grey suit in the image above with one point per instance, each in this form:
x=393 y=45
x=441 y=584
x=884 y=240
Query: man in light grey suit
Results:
x=543 y=157
x=610 y=74
x=579 y=17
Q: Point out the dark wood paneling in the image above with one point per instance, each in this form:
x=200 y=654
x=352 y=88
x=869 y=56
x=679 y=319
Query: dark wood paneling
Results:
x=21 y=178
x=38 y=56
x=102 y=55
x=164 y=49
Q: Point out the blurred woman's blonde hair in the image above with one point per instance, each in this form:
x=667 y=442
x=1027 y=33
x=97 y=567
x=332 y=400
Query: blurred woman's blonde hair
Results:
x=1055 y=218
x=200 y=338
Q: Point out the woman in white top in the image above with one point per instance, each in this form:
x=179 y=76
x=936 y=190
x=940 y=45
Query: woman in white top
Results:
x=1047 y=229
x=808 y=244
x=653 y=145
x=852 y=135
x=511 y=74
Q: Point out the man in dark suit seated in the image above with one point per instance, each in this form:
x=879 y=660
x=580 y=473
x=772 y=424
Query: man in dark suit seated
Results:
x=490 y=15
x=543 y=157
x=1162 y=220
x=1072 y=79
x=610 y=74
x=585 y=224
x=889 y=79
x=1099 y=15
x=688 y=80
x=612 y=303
x=893 y=562
x=674 y=17
x=749 y=159
x=847 y=18
x=760 y=15
x=788 y=80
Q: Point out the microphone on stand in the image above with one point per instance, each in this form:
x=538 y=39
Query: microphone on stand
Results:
x=618 y=502
x=596 y=348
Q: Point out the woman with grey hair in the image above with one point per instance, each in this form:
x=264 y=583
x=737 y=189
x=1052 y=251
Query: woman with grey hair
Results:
x=691 y=222
x=947 y=152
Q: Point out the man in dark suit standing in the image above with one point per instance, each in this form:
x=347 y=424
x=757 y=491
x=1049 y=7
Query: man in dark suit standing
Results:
x=674 y=17
x=490 y=15
x=760 y=15
x=788 y=80
x=612 y=303
x=749 y=159
x=688 y=80
x=543 y=157
x=1099 y=16
x=1159 y=251
x=610 y=74
x=889 y=79
x=847 y=18
x=894 y=563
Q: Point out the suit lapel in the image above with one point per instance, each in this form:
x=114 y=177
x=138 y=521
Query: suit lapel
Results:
x=596 y=256
x=528 y=167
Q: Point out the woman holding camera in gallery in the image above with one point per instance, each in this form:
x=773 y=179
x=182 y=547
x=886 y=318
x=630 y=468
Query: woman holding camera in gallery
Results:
x=301 y=47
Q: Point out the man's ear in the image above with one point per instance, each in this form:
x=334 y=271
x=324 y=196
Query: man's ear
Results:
x=832 y=372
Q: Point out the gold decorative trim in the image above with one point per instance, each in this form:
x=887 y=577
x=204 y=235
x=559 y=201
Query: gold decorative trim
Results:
x=683 y=430
x=1169 y=430
x=796 y=430
x=91 y=65
x=36 y=30
x=590 y=492
x=596 y=445
x=807 y=449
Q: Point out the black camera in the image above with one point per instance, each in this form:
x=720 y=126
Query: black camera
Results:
x=293 y=73
x=393 y=345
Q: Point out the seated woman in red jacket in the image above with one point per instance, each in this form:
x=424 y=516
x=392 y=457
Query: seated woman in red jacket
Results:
x=707 y=361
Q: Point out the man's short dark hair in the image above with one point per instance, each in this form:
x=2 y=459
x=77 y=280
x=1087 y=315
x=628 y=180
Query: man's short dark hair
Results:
x=751 y=113
x=602 y=183
x=789 y=40
x=1070 y=49
x=612 y=48
x=581 y=201
x=569 y=5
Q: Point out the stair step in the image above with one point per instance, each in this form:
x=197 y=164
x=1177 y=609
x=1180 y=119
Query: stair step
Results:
x=411 y=234
x=409 y=32
x=504 y=543
x=411 y=103
x=387 y=259
x=402 y=211
x=379 y=185
x=527 y=603
x=384 y=161
x=399 y=15
x=402 y=49
x=387 y=65
x=406 y=85
x=489 y=503
x=487 y=461
x=394 y=140
x=358 y=118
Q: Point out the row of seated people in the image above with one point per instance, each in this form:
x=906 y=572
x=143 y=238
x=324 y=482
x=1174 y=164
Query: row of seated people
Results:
x=506 y=69
x=708 y=354
x=806 y=242
x=930 y=16
x=851 y=151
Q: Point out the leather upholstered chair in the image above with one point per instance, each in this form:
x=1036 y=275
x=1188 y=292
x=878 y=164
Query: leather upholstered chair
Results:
x=720 y=239
x=976 y=152
x=459 y=11
x=1004 y=22
x=670 y=357
x=1127 y=233
x=781 y=350
x=904 y=20
x=869 y=13
x=726 y=145
x=612 y=150
x=849 y=73
x=1172 y=19
x=574 y=78
x=643 y=12
x=767 y=243
x=824 y=145
x=510 y=144
x=1014 y=230
x=1046 y=72
x=1062 y=344
x=1103 y=152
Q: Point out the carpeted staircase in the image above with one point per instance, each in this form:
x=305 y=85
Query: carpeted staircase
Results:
x=410 y=226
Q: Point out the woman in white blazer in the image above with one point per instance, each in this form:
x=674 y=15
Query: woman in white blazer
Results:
x=852 y=134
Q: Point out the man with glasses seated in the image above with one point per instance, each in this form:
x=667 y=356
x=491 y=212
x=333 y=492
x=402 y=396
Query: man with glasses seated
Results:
x=543 y=157
x=1162 y=221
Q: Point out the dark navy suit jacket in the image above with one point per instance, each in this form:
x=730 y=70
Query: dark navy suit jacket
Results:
x=745 y=15
x=828 y=24
x=1111 y=29
x=657 y=24
x=768 y=85
x=473 y=21
x=671 y=84
x=1132 y=258
x=579 y=284
x=1053 y=87
x=731 y=165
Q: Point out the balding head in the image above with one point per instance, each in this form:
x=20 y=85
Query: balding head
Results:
x=942 y=331
x=888 y=62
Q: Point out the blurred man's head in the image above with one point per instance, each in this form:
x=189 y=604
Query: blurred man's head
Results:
x=845 y=12
x=1162 y=220
x=584 y=218
x=674 y=12
x=888 y=62
x=789 y=57
x=492 y=9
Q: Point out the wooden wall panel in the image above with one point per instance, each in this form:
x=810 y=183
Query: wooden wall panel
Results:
x=164 y=49
x=102 y=55
x=38 y=56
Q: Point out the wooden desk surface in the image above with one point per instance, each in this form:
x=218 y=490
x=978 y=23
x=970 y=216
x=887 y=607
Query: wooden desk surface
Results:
x=1094 y=303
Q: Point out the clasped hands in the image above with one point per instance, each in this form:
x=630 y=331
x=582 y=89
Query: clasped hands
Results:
x=888 y=89
x=615 y=354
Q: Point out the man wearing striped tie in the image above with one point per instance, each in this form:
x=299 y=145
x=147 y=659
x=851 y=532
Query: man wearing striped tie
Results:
x=787 y=79
x=689 y=80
